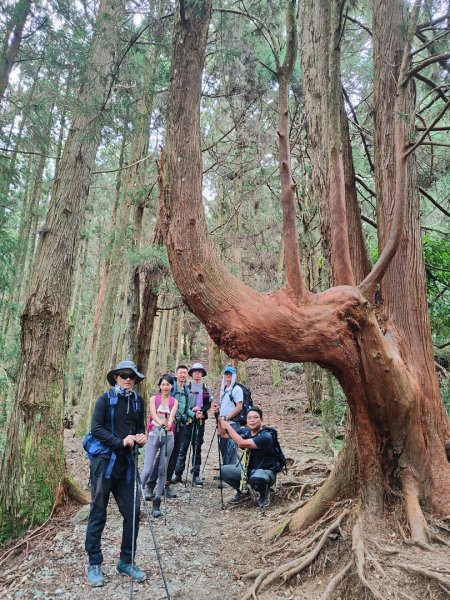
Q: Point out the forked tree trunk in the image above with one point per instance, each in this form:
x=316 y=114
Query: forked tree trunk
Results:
x=33 y=465
x=397 y=428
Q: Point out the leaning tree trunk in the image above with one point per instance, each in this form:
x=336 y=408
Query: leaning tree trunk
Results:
x=338 y=328
x=33 y=466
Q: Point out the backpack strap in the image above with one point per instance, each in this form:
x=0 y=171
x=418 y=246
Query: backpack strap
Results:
x=158 y=401
x=113 y=400
x=230 y=394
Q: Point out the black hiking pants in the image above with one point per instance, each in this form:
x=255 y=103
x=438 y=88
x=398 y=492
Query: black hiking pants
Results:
x=123 y=493
x=194 y=434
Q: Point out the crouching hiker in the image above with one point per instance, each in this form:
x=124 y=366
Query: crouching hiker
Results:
x=258 y=466
x=161 y=427
x=117 y=425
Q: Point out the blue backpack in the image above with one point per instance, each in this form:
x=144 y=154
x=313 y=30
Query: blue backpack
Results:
x=94 y=447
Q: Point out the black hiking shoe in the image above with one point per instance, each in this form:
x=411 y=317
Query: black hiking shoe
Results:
x=156 y=510
x=197 y=480
x=264 y=499
x=176 y=478
x=149 y=490
x=239 y=498
x=170 y=493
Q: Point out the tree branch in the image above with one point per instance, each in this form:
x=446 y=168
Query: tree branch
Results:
x=437 y=118
x=434 y=201
x=356 y=22
x=272 y=42
x=125 y=167
x=429 y=43
x=355 y=117
x=340 y=245
x=424 y=63
x=294 y=281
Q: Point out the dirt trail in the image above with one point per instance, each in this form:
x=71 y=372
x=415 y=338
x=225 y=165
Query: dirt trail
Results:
x=202 y=547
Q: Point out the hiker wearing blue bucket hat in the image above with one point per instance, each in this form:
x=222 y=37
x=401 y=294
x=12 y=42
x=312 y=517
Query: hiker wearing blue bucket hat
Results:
x=117 y=428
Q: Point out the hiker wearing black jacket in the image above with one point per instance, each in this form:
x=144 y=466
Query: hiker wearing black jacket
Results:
x=258 y=464
x=118 y=423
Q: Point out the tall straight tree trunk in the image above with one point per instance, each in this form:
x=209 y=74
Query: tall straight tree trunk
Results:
x=34 y=453
x=12 y=42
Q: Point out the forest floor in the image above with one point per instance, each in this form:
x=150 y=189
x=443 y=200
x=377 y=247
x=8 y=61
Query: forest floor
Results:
x=204 y=550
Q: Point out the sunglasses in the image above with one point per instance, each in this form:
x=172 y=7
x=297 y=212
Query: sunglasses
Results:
x=126 y=375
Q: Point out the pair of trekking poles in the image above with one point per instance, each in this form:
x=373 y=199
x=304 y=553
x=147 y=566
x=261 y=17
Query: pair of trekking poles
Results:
x=138 y=482
x=194 y=437
x=220 y=460
x=244 y=482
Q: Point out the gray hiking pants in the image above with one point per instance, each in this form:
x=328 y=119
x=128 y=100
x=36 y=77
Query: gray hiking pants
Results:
x=155 y=443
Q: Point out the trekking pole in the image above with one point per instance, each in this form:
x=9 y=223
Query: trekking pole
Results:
x=190 y=450
x=194 y=456
x=134 y=452
x=220 y=463
x=165 y=477
x=209 y=449
x=152 y=531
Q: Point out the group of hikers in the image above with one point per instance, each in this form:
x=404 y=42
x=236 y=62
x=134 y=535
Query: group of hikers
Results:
x=174 y=430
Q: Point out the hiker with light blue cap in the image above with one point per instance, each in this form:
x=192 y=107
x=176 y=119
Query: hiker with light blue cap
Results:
x=231 y=403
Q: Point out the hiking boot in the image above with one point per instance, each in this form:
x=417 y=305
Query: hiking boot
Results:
x=149 y=490
x=264 y=499
x=131 y=570
x=95 y=575
x=222 y=485
x=197 y=480
x=156 y=511
x=176 y=478
x=170 y=493
x=239 y=498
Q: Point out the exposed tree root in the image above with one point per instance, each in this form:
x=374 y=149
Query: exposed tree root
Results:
x=336 y=581
x=335 y=486
x=70 y=490
x=360 y=558
x=411 y=542
x=252 y=574
x=292 y=567
x=443 y=581
x=416 y=520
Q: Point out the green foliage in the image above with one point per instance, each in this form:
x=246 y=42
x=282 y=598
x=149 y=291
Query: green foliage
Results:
x=155 y=255
x=445 y=393
x=437 y=265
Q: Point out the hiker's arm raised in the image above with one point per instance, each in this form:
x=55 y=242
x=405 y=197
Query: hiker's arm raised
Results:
x=240 y=441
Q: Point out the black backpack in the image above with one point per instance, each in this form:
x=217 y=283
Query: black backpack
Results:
x=246 y=404
x=280 y=459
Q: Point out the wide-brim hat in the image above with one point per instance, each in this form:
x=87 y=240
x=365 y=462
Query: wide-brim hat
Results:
x=197 y=367
x=122 y=366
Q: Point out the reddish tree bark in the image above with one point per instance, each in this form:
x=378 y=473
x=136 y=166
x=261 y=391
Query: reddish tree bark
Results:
x=397 y=427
